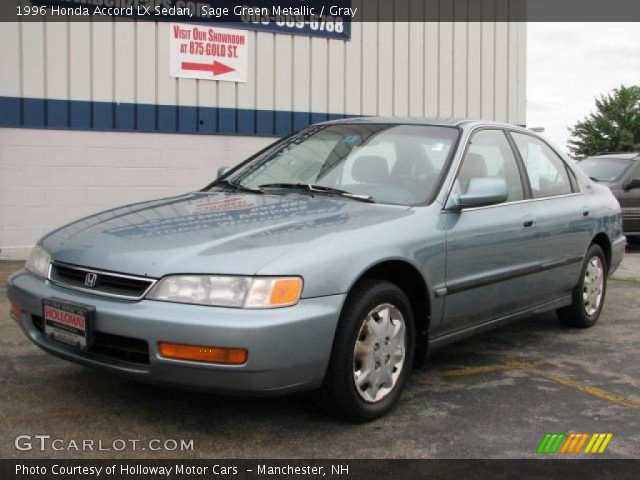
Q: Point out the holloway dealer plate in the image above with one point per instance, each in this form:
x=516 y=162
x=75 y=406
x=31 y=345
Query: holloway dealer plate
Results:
x=67 y=322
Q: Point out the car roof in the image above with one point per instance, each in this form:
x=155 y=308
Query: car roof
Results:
x=618 y=156
x=437 y=121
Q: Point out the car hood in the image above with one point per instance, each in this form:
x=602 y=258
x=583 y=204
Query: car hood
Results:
x=220 y=233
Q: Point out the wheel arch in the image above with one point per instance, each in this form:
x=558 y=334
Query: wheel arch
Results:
x=603 y=241
x=409 y=279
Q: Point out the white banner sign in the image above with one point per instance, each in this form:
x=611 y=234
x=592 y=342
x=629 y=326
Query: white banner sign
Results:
x=208 y=53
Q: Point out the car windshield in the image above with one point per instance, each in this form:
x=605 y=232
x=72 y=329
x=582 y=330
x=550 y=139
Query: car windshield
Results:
x=605 y=169
x=382 y=163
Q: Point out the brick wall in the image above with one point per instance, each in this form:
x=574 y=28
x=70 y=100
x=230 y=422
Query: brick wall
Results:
x=50 y=177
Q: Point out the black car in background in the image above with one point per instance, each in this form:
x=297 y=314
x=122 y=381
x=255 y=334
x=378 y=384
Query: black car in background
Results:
x=621 y=173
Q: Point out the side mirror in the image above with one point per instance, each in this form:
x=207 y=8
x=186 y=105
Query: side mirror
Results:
x=632 y=184
x=481 y=192
x=222 y=171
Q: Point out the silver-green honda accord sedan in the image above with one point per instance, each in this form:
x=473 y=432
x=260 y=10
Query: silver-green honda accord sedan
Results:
x=335 y=259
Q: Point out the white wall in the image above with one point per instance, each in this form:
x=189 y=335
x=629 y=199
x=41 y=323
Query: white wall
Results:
x=392 y=68
x=49 y=177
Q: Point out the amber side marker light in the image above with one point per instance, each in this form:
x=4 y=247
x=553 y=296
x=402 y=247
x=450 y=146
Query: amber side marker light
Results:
x=195 y=353
x=286 y=292
x=15 y=310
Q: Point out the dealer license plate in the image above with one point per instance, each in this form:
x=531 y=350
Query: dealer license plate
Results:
x=67 y=322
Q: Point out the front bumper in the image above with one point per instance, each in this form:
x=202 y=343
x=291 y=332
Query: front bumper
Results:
x=289 y=348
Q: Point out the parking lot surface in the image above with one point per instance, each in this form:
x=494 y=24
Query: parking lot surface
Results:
x=492 y=396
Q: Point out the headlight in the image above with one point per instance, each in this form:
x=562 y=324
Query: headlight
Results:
x=222 y=291
x=39 y=261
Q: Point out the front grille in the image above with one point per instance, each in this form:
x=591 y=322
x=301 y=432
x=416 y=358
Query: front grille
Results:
x=126 y=349
x=106 y=283
x=38 y=322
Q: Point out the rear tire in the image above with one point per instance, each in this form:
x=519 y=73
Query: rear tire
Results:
x=589 y=294
x=372 y=353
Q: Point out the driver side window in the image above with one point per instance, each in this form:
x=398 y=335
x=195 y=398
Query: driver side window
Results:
x=489 y=155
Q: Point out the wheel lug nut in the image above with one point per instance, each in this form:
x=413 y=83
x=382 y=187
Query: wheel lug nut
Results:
x=376 y=346
x=377 y=365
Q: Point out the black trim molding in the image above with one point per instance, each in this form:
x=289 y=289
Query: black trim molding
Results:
x=496 y=277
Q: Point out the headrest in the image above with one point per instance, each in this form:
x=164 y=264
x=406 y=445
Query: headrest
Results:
x=474 y=166
x=370 y=169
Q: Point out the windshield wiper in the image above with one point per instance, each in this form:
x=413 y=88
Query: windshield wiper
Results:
x=236 y=186
x=321 y=190
x=595 y=179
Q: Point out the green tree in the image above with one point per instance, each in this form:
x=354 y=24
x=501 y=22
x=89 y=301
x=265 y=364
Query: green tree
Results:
x=614 y=127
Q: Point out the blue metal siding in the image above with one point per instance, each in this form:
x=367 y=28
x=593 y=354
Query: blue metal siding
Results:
x=130 y=117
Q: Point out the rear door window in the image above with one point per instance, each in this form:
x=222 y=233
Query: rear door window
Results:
x=547 y=172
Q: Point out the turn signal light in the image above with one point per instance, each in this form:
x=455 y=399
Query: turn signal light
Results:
x=15 y=310
x=286 y=291
x=226 y=356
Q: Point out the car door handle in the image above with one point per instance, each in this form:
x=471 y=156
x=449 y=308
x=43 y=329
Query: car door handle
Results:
x=585 y=212
x=528 y=221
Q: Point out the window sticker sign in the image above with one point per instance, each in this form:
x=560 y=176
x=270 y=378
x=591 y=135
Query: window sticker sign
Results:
x=208 y=53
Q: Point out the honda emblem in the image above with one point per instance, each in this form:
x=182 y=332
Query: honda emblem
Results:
x=90 y=280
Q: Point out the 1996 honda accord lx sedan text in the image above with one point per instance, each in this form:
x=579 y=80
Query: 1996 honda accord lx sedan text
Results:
x=334 y=259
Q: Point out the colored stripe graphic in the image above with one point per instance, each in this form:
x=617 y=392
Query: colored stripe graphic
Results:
x=572 y=443
x=598 y=442
x=550 y=443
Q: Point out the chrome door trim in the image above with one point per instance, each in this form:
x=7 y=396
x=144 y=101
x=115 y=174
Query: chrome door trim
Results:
x=526 y=200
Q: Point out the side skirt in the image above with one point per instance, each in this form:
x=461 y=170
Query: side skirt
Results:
x=449 y=338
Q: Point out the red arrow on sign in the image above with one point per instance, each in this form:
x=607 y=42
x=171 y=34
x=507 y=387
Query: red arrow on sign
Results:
x=216 y=67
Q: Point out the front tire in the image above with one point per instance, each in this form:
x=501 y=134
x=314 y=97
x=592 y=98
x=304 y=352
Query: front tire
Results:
x=372 y=352
x=588 y=296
